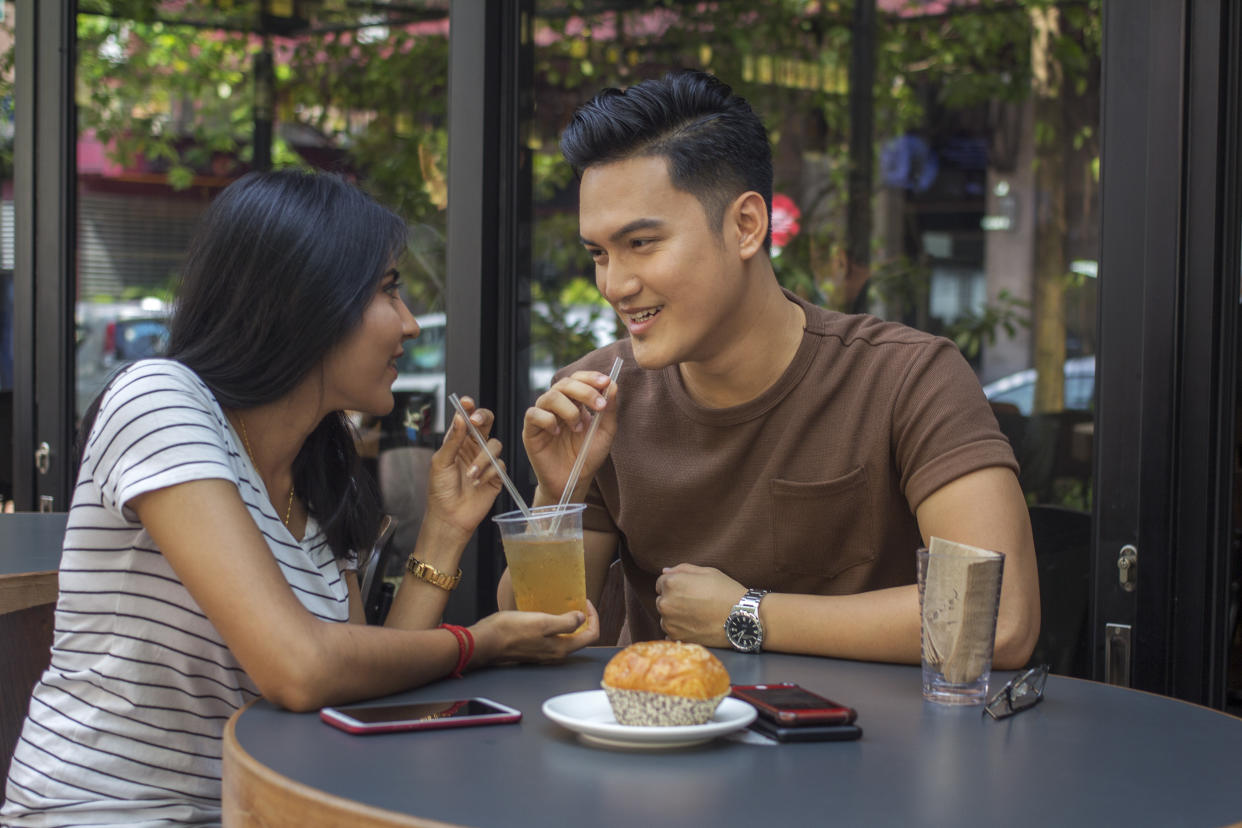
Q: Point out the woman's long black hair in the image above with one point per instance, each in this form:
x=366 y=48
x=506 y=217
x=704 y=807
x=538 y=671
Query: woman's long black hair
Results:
x=280 y=269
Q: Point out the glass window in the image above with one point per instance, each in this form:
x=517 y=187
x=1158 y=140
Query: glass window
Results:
x=958 y=194
x=982 y=205
x=177 y=103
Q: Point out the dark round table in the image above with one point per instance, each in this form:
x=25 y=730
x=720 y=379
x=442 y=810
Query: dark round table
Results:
x=1089 y=754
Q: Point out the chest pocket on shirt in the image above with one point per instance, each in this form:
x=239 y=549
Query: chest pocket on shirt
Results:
x=822 y=529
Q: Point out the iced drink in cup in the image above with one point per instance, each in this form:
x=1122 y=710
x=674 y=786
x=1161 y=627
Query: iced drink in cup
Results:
x=545 y=558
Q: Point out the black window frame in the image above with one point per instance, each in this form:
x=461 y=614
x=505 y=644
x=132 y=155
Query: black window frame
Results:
x=45 y=218
x=1168 y=322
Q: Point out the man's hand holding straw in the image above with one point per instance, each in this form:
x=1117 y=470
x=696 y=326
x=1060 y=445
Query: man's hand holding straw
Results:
x=558 y=426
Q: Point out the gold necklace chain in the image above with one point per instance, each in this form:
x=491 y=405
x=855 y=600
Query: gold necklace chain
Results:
x=253 y=462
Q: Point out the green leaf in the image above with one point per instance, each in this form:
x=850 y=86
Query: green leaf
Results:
x=180 y=177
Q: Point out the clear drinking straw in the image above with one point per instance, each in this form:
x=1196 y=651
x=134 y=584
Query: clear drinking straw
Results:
x=586 y=444
x=517 y=497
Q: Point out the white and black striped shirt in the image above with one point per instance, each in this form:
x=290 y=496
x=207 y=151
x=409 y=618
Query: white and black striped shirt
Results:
x=125 y=726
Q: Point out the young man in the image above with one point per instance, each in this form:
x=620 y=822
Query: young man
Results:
x=759 y=456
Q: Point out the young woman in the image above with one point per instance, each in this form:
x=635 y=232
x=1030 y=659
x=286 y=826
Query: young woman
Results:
x=212 y=540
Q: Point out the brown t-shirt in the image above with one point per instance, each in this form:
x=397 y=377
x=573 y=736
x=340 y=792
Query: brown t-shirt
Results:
x=808 y=488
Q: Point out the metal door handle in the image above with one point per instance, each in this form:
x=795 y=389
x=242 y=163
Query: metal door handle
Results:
x=1117 y=654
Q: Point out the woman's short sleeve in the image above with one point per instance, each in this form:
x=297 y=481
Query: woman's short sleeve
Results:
x=158 y=425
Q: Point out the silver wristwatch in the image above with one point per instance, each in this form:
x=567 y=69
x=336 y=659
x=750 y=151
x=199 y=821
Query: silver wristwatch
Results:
x=743 y=627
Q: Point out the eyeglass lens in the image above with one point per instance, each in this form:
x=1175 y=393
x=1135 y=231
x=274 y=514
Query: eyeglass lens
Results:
x=1022 y=692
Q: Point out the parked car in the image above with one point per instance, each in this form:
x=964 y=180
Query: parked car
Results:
x=1018 y=389
x=112 y=335
x=419 y=389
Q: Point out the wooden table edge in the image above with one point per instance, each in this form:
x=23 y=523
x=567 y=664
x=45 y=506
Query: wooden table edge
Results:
x=23 y=590
x=255 y=795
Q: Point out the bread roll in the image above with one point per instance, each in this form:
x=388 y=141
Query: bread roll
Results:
x=671 y=667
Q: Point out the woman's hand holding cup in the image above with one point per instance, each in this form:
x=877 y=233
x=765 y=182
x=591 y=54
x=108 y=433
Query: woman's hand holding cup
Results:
x=538 y=637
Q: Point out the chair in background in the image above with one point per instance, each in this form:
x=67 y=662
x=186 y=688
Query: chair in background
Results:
x=1052 y=450
x=377 y=594
x=1063 y=555
x=403 y=474
x=404 y=477
x=27 y=610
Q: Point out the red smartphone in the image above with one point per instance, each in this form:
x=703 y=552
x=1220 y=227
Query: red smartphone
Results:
x=432 y=715
x=791 y=705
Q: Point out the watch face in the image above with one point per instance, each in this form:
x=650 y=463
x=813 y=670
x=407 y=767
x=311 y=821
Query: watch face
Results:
x=743 y=631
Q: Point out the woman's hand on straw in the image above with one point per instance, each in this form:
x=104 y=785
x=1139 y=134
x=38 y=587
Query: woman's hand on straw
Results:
x=556 y=426
x=463 y=484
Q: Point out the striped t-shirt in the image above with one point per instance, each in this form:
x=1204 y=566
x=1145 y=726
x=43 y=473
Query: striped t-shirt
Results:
x=125 y=726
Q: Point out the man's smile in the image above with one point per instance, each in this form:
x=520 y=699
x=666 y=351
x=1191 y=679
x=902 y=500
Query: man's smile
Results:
x=644 y=315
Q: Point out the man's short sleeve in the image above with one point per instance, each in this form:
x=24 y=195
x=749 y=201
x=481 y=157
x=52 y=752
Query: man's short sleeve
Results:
x=157 y=426
x=943 y=427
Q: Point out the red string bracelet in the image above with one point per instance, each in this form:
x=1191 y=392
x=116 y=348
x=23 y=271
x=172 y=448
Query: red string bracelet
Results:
x=461 y=648
x=465 y=647
x=469 y=649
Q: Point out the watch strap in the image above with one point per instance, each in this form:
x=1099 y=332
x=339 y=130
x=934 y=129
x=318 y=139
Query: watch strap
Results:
x=750 y=601
x=426 y=572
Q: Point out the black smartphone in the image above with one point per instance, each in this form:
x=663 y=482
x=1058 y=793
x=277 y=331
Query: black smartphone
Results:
x=386 y=718
x=790 y=705
x=807 y=733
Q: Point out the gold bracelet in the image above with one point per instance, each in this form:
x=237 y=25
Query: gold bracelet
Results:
x=426 y=572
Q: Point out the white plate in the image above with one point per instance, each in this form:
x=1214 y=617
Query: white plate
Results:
x=588 y=714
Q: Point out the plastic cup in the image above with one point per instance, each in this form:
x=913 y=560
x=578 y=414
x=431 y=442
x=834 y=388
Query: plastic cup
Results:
x=545 y=557
x=959 y=596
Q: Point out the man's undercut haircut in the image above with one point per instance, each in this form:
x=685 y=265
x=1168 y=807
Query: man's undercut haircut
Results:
x=715 y=145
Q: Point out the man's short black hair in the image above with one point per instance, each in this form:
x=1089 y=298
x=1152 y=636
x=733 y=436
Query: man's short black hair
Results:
x=715 y=145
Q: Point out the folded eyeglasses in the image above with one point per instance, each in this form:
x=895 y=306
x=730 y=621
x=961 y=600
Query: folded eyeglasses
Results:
x=1021 y=693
